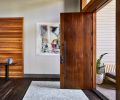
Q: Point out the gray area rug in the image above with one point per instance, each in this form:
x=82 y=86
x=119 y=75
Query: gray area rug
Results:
x=47 y=90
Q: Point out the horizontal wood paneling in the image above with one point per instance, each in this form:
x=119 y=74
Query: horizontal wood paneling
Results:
x=3 y=40
x=12 y=68
x=11 y=45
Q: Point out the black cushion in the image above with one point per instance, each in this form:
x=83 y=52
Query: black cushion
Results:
x=111 y=75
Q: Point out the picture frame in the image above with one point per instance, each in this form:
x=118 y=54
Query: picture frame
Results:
x=48 y=39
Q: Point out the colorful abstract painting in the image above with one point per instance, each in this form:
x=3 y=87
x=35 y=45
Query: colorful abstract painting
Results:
x=48 y=38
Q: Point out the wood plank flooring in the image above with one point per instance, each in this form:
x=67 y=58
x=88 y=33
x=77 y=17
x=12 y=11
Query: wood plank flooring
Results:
x=15 y=89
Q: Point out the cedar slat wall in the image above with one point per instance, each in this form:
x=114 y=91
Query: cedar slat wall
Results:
x=11 y=45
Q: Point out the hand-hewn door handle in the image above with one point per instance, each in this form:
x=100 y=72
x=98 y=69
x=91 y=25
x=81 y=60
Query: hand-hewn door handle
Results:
x=61 y=59
x=65 y=56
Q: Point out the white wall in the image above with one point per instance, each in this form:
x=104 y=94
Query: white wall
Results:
x=35 y=11
x=106 y=32
x=72 y=5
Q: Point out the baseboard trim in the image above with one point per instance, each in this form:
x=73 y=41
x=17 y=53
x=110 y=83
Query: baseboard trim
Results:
x=45 y=76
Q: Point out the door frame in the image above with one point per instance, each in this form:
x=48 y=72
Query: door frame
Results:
x=94 y=6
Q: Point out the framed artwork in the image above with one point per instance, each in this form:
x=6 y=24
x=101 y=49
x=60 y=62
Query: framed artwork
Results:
x=48 y=38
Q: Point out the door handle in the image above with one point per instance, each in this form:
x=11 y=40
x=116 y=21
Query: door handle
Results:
x=65 y=63
x=61 y=59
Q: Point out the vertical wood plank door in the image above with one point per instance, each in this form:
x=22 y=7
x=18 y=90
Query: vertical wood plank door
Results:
x=76 y=70
x=11 y=45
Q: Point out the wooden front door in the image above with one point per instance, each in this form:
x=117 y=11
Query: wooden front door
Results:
x=77 y=51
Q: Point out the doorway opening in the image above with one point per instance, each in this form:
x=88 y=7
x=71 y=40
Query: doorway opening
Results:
x=105 y=49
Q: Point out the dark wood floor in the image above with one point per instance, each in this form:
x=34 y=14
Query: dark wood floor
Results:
x=15 y=89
